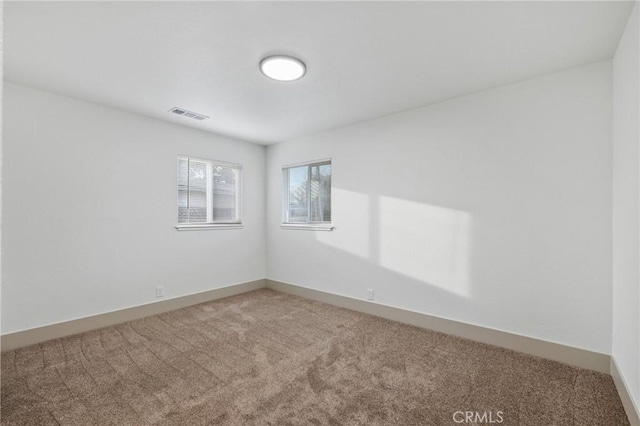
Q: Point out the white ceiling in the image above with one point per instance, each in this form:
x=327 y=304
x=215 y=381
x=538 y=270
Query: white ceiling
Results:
x=364 y=59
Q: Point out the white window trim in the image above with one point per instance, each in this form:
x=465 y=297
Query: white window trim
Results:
x=307 y=163
x=215 y=225
x=306 y=226
x=201 y=226
x=324 y=226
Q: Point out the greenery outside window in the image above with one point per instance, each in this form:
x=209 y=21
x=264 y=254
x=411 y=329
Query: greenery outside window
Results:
x=307 y=195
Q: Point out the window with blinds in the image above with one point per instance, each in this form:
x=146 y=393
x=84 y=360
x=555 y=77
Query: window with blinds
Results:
x=307 y=193
x=208 y=193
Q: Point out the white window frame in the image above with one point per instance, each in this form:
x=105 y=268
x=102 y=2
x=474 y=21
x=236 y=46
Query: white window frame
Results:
x=210 y=224
x=309 y=226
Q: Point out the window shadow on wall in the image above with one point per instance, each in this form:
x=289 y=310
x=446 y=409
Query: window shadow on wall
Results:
x=428 y=243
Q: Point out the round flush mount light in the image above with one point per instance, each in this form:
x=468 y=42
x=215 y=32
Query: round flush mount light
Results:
x=282 y=68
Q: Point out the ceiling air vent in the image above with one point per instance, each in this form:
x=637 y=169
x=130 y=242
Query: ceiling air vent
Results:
x=186 y=113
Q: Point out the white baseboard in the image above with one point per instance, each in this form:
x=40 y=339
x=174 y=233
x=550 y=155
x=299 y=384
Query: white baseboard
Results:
x=557 y=352
x=531 y=346
x=41 y=334
x=566 y=354
x=630 y=407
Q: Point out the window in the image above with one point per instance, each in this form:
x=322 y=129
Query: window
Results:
x=307 y=195
x=208 y=194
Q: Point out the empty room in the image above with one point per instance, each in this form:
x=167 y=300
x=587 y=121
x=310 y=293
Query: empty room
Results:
x=320 y=213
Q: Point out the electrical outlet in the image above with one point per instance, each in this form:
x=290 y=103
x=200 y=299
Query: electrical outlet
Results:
x=370 y=293
x=160 y=291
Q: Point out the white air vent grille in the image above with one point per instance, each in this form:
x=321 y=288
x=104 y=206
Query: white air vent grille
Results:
x=186 y=113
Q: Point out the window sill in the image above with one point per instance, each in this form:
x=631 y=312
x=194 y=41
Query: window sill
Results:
x=308 y=226
x=205 y=226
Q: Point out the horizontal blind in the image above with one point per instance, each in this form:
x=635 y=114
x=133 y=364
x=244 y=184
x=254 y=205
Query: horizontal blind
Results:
x=208 y=192
x=183 y=190
x=197 y=191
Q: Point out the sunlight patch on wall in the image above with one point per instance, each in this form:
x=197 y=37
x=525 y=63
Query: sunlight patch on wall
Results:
x=425 y=242
x=352 y=228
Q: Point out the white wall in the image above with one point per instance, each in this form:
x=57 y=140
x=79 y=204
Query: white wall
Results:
x=626 y=208
x=1 y=149
x=89 y=206
x=492 y=209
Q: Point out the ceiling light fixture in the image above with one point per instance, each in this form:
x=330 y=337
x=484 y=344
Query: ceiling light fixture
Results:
x=282 y=68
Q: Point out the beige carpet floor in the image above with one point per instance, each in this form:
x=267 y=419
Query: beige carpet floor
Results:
x=268 y=358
